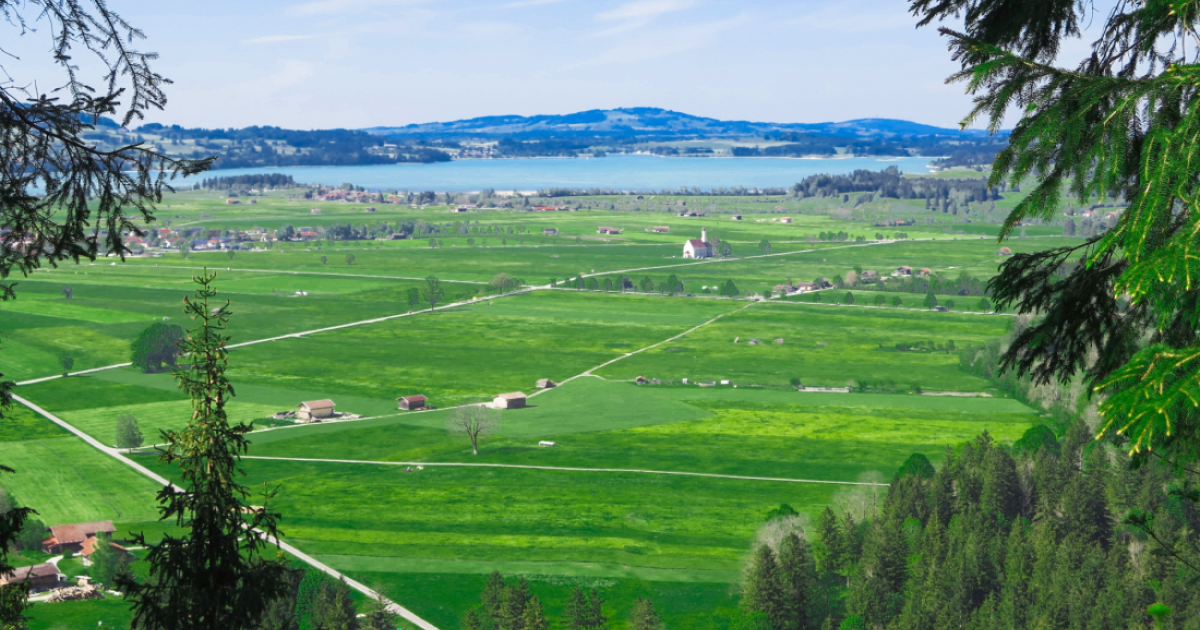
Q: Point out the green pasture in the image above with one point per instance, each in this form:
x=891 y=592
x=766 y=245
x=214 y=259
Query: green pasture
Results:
x=823 y=346
x=97 y=325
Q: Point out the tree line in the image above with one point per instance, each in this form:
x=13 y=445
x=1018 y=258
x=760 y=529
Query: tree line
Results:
x=1039 y=535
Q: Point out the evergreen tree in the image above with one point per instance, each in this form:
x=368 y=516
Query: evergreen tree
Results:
x=334 y=608
x=535 y=616
x=644 y=617
x=798 y=575
x=763 y=589
x=213 y=575
x=575 y=615
x=930 y=299
x=378 y=616
x=595 y=614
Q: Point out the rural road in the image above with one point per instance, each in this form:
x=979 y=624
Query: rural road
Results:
x=562 y=468
x=112 y=452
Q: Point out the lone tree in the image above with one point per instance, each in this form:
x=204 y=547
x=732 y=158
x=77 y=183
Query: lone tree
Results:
x=349 y=259
x=413 y=295
x=67 y=291
x=157 y=347
x=765 y=247
x=129 y=436
x=433 y=292
x=474 y=421
x=213 y=575
x=67 y=362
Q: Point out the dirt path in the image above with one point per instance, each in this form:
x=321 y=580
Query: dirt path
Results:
x=112 y=452
x=563 y=468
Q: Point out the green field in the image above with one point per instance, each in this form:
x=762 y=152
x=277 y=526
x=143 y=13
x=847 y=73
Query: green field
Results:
x=429 y=537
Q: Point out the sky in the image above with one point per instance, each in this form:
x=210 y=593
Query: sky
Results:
x=314 y=64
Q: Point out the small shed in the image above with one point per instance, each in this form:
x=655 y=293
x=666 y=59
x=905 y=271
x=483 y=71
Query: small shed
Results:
x=546 y=443
x=641 y=380
x=411 y=403
x=549 y=231
x=511 y=400
x=545 y=383
x=315 y=410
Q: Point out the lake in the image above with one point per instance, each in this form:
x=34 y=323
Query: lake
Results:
x=623 y=172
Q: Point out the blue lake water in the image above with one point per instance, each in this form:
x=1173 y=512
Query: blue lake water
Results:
x=623 y=172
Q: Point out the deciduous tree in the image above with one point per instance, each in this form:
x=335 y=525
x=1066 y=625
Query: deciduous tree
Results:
x=474 y=421
x=129 y=436
x=433 y=292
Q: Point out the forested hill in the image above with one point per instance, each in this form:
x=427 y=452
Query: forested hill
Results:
x=594 y=133
x=651 y=121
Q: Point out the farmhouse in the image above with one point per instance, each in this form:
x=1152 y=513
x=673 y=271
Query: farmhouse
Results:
x=903 y=271
x=89 y=547
x=371 y=209
x=737 y=217
x=411 y=403
x=924 y=272
x=641 y=380
x=231 y=202
x=1004 y=251
x=314 y=410
x=804 y=287
x=608 y=230
x=660 y=229
x=40 y=577
x=786 y=220
x=549 y=232
x=253 y=201
x=72 y=537
x=513 y=400
x=869 y=274
x=698 y=248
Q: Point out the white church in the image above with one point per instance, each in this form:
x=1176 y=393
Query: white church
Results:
x=698 y=248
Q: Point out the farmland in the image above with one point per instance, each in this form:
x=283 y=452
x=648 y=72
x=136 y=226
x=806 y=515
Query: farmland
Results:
x=597 y=509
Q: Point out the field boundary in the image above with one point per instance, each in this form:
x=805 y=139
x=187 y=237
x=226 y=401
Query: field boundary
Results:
x=112 y=452
x=563 y=469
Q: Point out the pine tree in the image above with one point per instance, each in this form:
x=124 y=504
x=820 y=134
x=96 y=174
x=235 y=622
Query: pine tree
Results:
x=378 y=616
x=213 y=576
x=575 y=615
x=535 y=616
x=594 y=617
x=513 y=605
x=762 y=589
x=798 y=574
x=334 y=608
x=492 y=599
x=644 y=617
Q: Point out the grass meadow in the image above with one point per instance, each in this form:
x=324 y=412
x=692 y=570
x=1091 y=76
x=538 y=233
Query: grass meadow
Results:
x=429 y=537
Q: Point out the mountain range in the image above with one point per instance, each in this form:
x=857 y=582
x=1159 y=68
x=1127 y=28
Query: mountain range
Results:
x=652 y=121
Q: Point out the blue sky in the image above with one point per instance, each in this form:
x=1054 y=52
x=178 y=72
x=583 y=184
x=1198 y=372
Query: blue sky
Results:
x=358 y=63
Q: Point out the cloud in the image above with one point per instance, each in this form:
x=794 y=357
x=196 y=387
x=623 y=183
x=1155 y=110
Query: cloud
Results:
x=276 y=39
x=666 y=42
x=857 y=17
x=346 y=7
x=639 y=14
x=529 y=3
x=294 y=72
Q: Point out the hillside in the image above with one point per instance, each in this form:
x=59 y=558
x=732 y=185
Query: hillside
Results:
x=592 y=133
x=651 y=121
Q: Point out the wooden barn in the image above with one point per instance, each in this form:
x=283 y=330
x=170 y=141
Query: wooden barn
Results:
x=512 y=400
x=315 y=410
x=411 y=403
x=39 y=577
